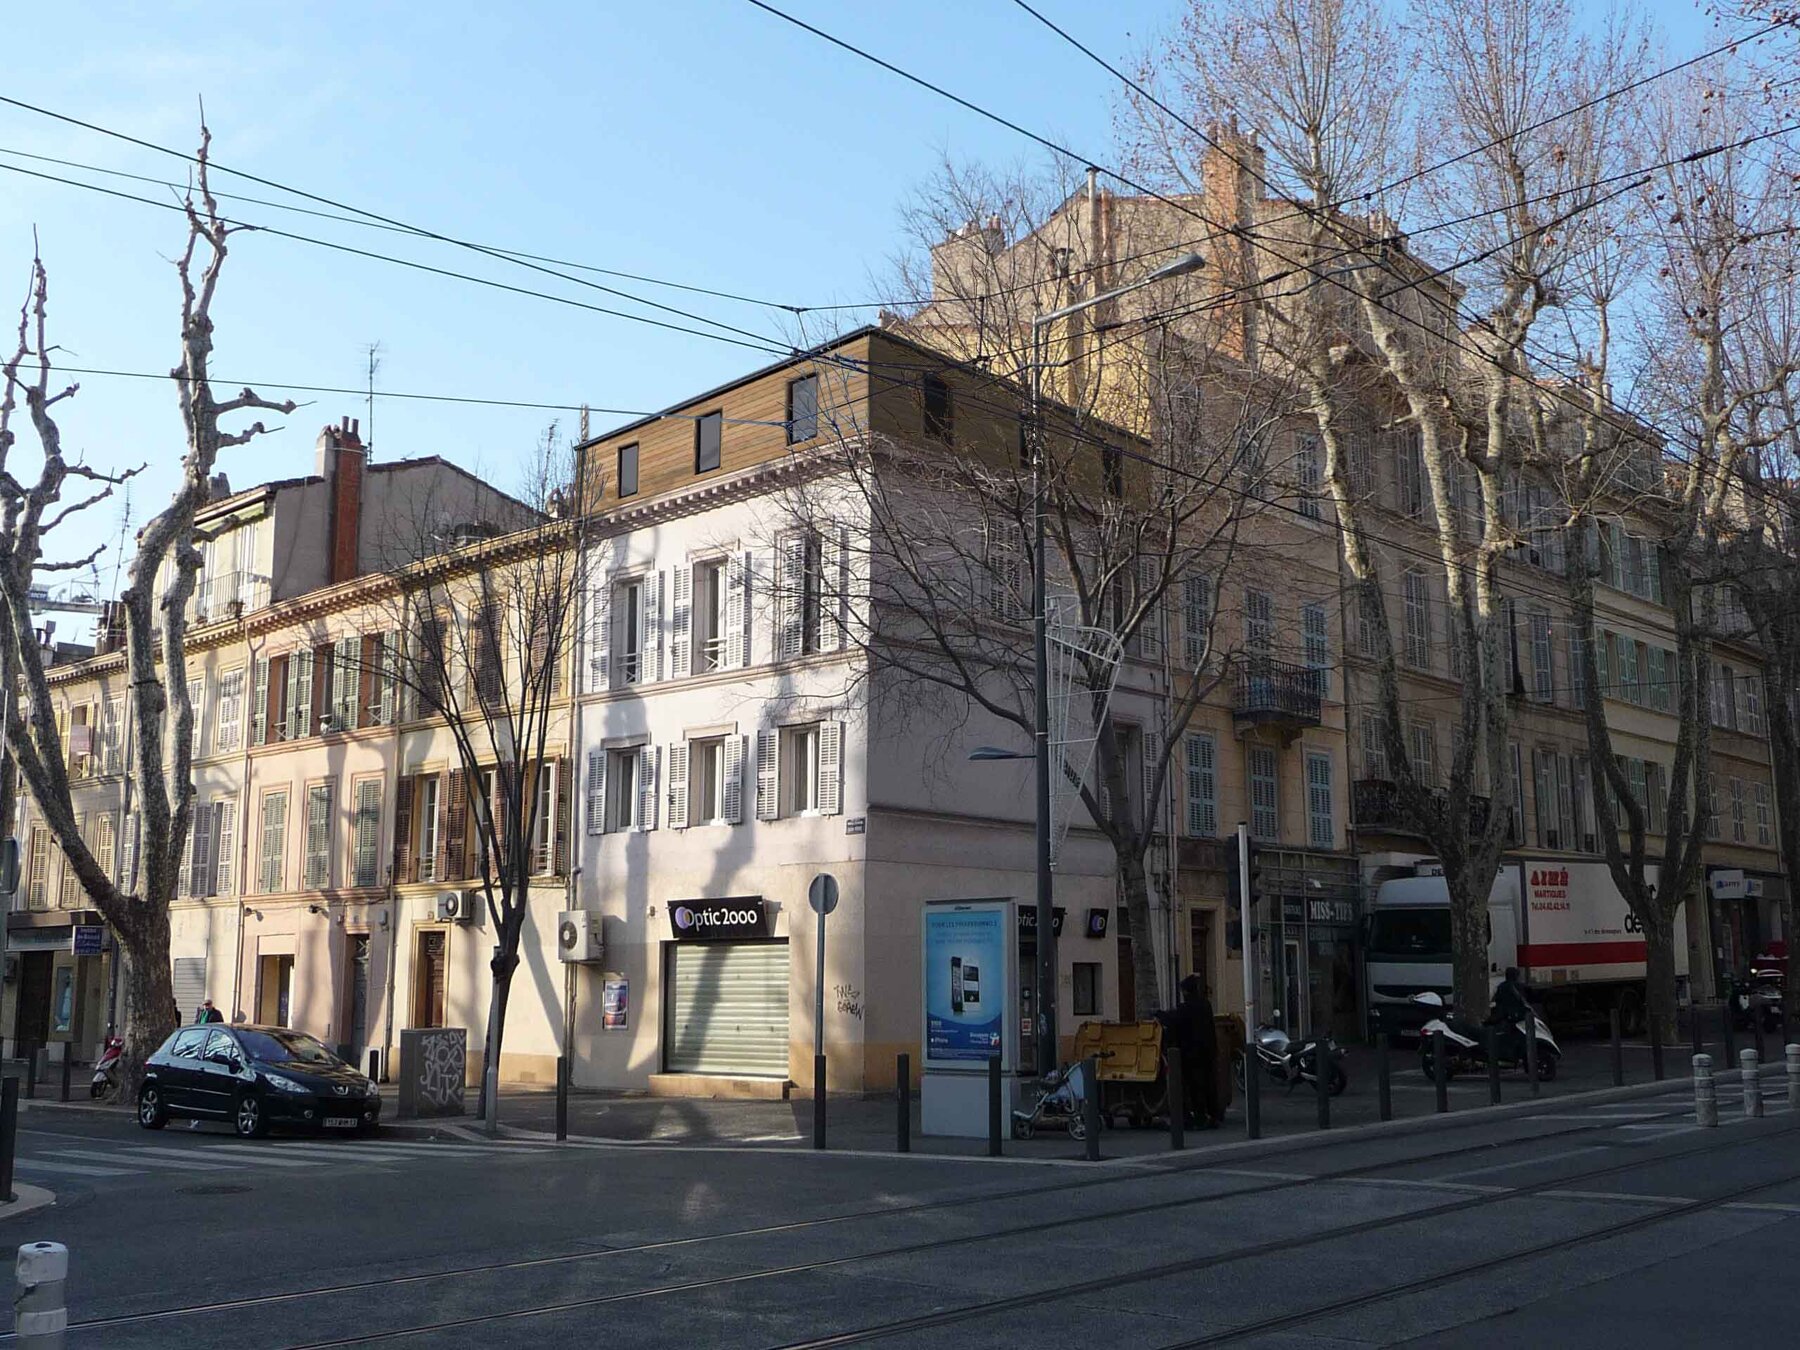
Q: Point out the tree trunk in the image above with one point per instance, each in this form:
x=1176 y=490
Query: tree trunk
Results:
x=1471 y=991
x=1659 y=973
x=503 y=967
x=150 y=1015
x=1134 y=881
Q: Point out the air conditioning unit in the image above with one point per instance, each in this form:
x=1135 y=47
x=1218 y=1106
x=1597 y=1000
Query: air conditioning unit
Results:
x=578 y=935
x=457 y=906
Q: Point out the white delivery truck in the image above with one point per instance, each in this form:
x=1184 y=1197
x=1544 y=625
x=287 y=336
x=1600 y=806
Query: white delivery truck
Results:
x=1563 y=924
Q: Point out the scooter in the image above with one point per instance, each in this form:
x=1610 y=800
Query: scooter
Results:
x=106 y=1068
x=1764 y=987
x=1060 y=1094
x=1465 y=1043
x=1290 y=1062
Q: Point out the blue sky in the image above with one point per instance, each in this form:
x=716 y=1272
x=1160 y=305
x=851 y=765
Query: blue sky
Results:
x=696 y=140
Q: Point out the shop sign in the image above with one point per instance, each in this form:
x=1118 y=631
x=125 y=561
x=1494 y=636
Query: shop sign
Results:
x=1727 y=883
x=87 y=939
x=1028 y=919
x=743 y=916
x=1338 y=911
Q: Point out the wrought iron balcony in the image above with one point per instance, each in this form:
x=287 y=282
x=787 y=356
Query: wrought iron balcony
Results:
x=1375 y=805
x=1277 y=693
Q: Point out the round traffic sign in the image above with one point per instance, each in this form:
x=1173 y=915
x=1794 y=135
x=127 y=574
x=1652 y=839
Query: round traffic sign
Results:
x=822 y=895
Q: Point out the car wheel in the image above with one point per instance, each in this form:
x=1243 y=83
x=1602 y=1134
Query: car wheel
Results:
x=248 y=1118
x=151 y=1113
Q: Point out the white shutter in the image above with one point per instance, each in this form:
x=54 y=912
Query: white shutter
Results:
x=1196 y=617
x=1151 y=816
x=596 y=792
x=389 y=675
x=768 y=783
x=346 y=678
x=648 y=759
x=678 y=785
x=790 y=596
x=681 y=624
x=650 y=643
x=834 y=591
x=733 y=786
x=1202 y=787
x=128 y=869
x=225 y=851
x=737 y=611
x=1150 y=634
x=831 y=768
x=599 y=656
x=185 y=873
x=300 y=692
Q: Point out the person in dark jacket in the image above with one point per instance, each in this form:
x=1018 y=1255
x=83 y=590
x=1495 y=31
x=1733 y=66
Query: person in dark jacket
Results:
x=208 y=1013
x=1196 y=1039
x=1509 y=999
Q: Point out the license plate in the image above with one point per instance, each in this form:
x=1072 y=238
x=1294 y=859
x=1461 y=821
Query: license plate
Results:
x=340 y=1122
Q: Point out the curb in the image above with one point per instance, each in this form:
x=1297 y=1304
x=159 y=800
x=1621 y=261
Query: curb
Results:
x=29 y=1198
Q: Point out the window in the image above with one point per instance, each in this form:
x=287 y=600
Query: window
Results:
x=112 y=737
x=1587 y=835
x=1751 y=703
x=37 y=872
x=1724 y=697
x=1265 y=794
x=1712 y=811
x=1317 y=637
x=1424 y=754
x=1764 y=834
x=802 y=409
x=196 y=691
x=628 y=470
x=1321 y=830
x=708 y=433
x=1308 y=475
x=1409 y=467
x=231 y=712
x=1656 y=674
x=1542 y=655
x=1196 y=618
x=1374 y=747
x=1629 y=688
x=427 y=832
x=1739 y=834
x=368 y=832
x=1087 y=989
x=318 y=836
x=1417 y=595
x=1112 y=470
x=709 y=616
x=105 y=850
x=801 y=599
x=628 y=632
x=940 y=422
x=624 y=797
x=544 y=812
x=800 y=769
x=1516 y=832
x=1259 y=622
x=1202 y=787
x=1543 y=787
x=274 y=842
x=1656 y=785
x=712 y=796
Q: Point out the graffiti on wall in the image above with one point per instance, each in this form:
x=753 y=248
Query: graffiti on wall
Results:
x=434 y=1064
x=849 y=1000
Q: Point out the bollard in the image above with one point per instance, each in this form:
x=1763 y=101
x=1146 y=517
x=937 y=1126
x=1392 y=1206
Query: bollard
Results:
x=1793 y=1068
x=9 y=1134
x=994 y=1116
x=818 y=1101
x=31 y=1067
x=1322 y=1064
x=1750 y=1070
x=903 y=1096
x=562 y=1098
x=1618 y=1049
x=67 y=1065
x=1756 y=1025
x=1252 y=1094
x=1440 y=1071
x=1384 y=1080
x=41 y=1315
x=1090 y=1106
x=1531 y=1053
x=1177 y=1100
x=1706 y=1098
x=1491 y=1046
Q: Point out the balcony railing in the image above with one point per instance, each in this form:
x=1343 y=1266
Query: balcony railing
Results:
x=224 y=595
x=1375 y=805
x=1271 y=691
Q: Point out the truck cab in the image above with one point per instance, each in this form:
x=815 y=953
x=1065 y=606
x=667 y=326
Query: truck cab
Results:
x=1406 y=946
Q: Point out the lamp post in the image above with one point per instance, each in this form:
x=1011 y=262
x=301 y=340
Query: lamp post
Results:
x=1046 y=928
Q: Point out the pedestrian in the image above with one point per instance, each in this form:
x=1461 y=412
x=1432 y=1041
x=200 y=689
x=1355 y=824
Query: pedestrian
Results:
x=1196 y=1038
x=208 y=1013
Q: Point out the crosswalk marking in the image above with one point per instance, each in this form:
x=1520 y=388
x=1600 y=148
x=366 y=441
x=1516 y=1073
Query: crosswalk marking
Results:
x=69 y=1169
x=223 y=1155
x=261 y=1155
x=179 y=1165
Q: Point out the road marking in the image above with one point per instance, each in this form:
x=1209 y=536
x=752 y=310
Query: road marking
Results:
x=1259 y=1175
x=1521 y=1162
x=1767 y=1207
x=71 y=1169
x=1425 y=1184
x=93 y=1155
x=1629 y=1197
x=254 y=1156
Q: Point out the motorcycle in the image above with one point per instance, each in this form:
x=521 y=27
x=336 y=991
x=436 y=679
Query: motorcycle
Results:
x=1290 y=1062
x=1764 y=987
x=1060 y=1094
x=1465 y=1043
x=106 y=1069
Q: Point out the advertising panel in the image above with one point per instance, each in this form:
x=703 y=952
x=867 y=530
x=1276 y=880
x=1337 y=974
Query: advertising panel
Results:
x=965 y=977
x=1577 y=921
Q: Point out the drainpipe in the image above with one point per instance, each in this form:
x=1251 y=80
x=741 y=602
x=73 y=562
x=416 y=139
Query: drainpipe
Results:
x=245 y=724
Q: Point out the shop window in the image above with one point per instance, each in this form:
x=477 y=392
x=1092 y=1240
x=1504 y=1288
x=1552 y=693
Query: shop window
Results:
x=1087 y=989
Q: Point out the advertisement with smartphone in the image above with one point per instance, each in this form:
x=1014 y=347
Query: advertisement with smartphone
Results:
x=965 y=980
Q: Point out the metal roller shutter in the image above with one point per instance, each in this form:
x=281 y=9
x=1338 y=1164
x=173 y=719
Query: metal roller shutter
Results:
x=189 y=977
x=728 y=1009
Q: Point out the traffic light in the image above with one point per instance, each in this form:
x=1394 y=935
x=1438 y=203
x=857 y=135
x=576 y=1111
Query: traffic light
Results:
x=1234 y=897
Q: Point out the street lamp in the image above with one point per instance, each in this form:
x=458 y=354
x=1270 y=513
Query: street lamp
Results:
x=1046 y=928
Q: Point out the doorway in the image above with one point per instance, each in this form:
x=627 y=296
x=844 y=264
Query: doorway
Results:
x=358 y=984
x=429 y=977
x=275 y=990
x=1292 y=997
x=33 y=1020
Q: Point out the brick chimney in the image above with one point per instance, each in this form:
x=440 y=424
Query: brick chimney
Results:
x=340 y=463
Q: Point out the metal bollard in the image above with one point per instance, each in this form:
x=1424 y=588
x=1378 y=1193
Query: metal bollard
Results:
x=1706 y=1093
x=1177 y=1100
x=1090 y=1106
x=994 y=1115
x=1440 y=1071
x=41 y=1314
x=562 y=1098
x=1618 y=1049
x=903 y=1098
x=818 y=1101
x=1656 y=1056
x=1531 y=1053
x=1252 y=1094
x=1384 y=1076
x=9 y=1134
x=1793 y=1068
x=1750 y=1070
x=1491 y=1045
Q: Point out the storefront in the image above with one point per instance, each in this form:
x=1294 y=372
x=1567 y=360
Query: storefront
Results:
x=727 y=991
x=1745 y=918
x=59 y=966
x=1308 y=925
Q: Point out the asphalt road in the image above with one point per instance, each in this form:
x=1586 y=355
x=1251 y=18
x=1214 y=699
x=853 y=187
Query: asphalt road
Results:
x=1582 y=1221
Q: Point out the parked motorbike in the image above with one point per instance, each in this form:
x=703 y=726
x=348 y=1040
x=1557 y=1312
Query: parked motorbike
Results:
x=106 y=1068
x=1465 y=1043
x=1764 y=988
x=1290 y=1062
x=1057 y=1102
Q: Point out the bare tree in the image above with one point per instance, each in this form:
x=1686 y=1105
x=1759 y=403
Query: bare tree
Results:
x=161 y=582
